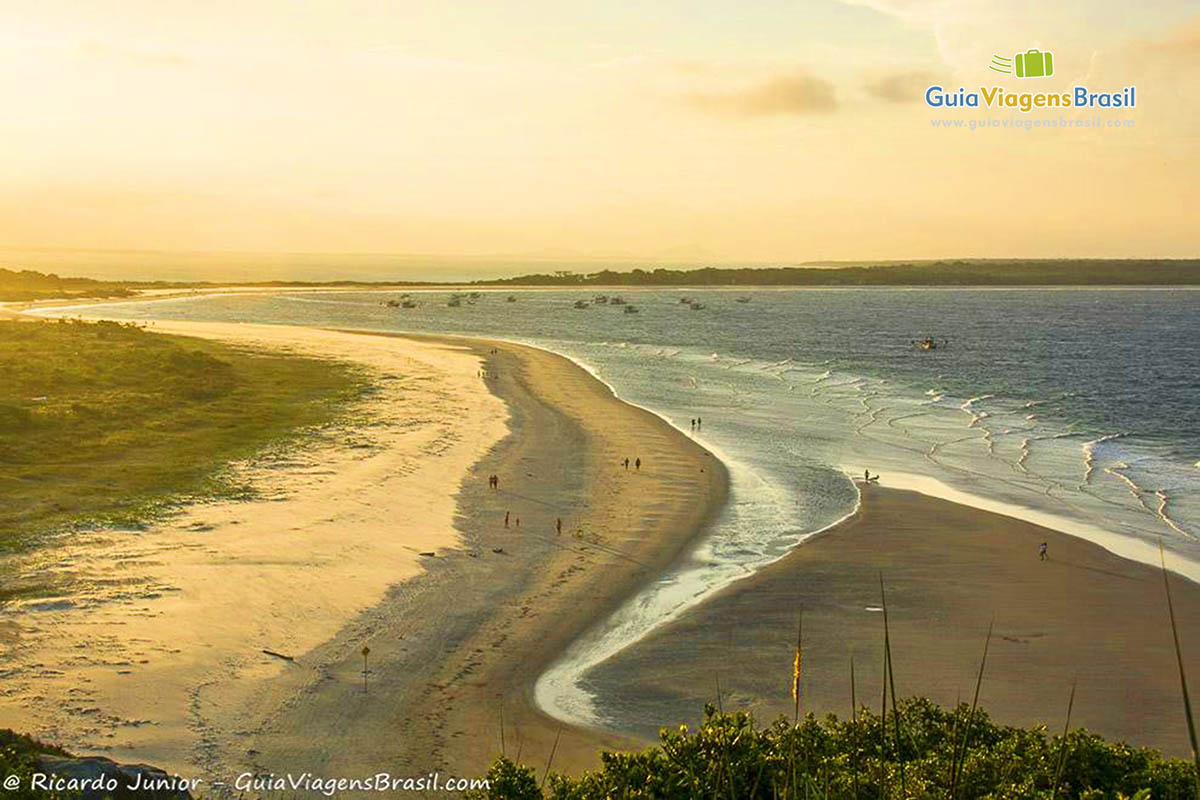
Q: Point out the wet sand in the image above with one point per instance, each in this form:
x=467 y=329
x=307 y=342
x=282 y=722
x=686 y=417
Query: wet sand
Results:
x=949 y=569
x=459 y=649
x=153 y=649
x=168 y=667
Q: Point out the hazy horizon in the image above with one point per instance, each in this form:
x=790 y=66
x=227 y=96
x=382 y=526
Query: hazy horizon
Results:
x=685 y=133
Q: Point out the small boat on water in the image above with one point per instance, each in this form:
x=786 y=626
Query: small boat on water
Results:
x=616 y=301
x=510 y=299
x=408 y=304
x=928 y=343
x=743 y=299
x=696 y=306
x=392 y=304
x=581 y=304
x=631 y=310
x=454 y=302
x=600 y=300
x=687 y=301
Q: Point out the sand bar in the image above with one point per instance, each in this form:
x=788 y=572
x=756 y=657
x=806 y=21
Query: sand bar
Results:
x=1085 y=615
x=154 y=649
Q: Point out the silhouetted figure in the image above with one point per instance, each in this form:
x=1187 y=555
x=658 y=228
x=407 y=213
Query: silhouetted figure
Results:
x=558 y=526
x=1042 y=554
x=637 y=463
x=699 y=423
x=506 y=519
x=626 y=462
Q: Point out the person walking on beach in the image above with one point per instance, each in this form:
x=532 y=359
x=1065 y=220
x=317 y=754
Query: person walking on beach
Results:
x=558 y=526
x=693 y=424
x=506 y=519
x=637 y=463
x=699 y=423
x=1042 y=554
x=626 y=463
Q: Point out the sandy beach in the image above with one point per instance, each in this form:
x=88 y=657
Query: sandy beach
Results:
x=384 y=532
x=155 y=651
x=1084 y=615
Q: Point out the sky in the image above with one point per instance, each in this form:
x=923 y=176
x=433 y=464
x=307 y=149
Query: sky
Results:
x=700 y=131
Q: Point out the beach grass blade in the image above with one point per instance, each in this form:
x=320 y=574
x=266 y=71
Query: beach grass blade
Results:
x=1183 y=685
x=960 y=752
x=1062 y=750
x=891 y=681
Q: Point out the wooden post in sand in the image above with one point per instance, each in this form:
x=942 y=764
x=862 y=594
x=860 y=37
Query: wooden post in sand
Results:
x=365 y=652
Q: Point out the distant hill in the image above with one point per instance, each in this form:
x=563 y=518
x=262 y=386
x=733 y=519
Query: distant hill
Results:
x=30 y=285
x=1080 y=272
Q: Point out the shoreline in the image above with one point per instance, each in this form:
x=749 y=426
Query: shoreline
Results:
x=621 y=528
x=1086 y=614
x=595 y=573
x=473 y=706
x=153 y=647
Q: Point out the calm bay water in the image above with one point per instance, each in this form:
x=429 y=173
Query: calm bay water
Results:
x=1077 y=405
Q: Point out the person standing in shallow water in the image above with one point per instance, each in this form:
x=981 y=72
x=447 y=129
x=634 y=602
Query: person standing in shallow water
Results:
x=626 y=462
x=637 y=463
x=506 y=513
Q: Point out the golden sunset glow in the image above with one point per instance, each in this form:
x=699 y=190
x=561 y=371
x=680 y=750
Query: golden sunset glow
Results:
x=691 y=131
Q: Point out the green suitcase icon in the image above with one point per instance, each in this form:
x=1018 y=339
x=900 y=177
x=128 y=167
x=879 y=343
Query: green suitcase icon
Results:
x=1035 y=64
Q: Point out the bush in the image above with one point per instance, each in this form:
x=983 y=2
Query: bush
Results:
x=729 y=757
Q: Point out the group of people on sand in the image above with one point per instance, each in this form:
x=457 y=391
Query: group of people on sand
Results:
x=637 y=463
x=697 y=424
x=493 y=481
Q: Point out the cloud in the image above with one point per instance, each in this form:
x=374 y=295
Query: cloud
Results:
x=1181 y=43
x=900 y=87
x=794 y=93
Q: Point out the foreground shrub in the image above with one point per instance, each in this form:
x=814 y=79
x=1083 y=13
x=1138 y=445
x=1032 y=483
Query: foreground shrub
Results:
x=729 y=757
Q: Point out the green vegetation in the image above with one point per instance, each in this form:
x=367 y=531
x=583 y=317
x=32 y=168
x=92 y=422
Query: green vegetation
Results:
x=729 y=757
x=18 y=756
x=108 y=423
x=1011 y=272
x=29 y=285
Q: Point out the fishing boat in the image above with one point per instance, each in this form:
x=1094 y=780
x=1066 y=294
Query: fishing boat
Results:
x=743 y=299
x=454 y=302
x=510 y=299
x=616 y=301
x=600 y=300
x=696 y=306
x=927 y=343
x=392 y=304
x=581 y=304
x=408 y=304
x=631 y=310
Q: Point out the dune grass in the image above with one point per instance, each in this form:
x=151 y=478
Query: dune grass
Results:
x=109 y=423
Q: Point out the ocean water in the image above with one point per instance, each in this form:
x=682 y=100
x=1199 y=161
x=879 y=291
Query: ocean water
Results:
x=1073 y=407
